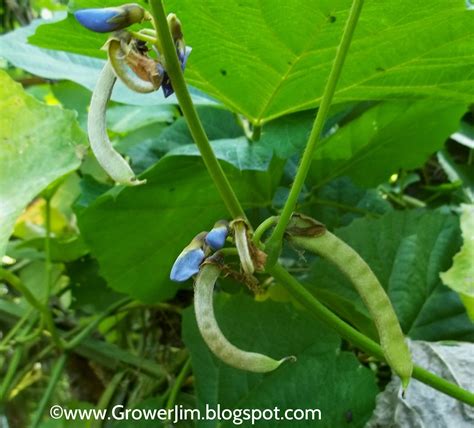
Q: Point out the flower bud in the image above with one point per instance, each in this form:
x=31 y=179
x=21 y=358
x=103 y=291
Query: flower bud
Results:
x=166 y=83
x=217 y=236
x=104 y=20
x=188 y=262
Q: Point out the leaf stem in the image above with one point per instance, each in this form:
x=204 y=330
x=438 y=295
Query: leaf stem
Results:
x=56 y=373
x=360 y=340
x=178 y=383
x=173 y=68
x=76 y=340
x=274 y=243
x=16 y=283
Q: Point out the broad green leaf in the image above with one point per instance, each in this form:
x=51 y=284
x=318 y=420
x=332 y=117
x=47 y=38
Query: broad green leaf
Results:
x=239 y=152
x=57 y=65
x=387 y=137
x=340 y=201
x=269 y=58
x=422 y=405
x=124 y=119
x=460 y=276
x=38 y=144
x=322 y=378
x=137 y=233
x=406 y=250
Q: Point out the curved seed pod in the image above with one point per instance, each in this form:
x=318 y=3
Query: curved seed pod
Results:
x=239 y=227
x=105 y=20
x=212 y=335
x=109 y=159
x=217 y=235
x=317 y=239
x=189 y=260
x=148 y=73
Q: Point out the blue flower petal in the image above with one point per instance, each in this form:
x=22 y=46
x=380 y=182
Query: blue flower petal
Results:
x=186 y=265
x=216 y=237
x=98 y=20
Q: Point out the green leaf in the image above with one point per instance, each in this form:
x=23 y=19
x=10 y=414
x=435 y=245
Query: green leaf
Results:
x=38 y=144
x=124 y=119
x=387 y=137
x=406 y=250
x=460 y=276
x=137 y=233
x=266 y=59
x=239 y=152
x=322 y=378
x=340 y=201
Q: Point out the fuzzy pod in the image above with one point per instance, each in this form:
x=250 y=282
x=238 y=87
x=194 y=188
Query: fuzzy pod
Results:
x=189 y=260
x=351 y=264
x=212 y=334
x=105 y=20
x=147 y=73
x=217 y=235
x=109 y=159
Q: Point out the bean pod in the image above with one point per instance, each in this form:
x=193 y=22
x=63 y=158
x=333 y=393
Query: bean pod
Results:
x=109 y=159
x=211 y=333
x=317 y=239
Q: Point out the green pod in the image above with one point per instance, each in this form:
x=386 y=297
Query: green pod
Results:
x=240 y=231
x=317 y=239
x=212 y=334
x=109 y=159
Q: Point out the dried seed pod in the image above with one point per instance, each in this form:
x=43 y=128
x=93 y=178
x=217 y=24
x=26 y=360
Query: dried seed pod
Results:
x=105 y=20
x=211 y=333
x=109 y=159
x=311 y=235
x=147 y=73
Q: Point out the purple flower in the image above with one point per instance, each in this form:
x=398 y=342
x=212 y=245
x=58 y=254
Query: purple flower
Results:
x=217 y=236
x=188 y=262
x=183 y=58
x=104 y=20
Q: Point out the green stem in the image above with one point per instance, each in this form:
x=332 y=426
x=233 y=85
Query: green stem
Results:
x=56 y=373
x=143 y=37
x=274 y=243
x=9 y=375
x=107 y=395
x=178 y=383
x=173 y=68
x=93 y=325
x=261 y=229
x=16 y=283
x=358 y=339
x=256 y=132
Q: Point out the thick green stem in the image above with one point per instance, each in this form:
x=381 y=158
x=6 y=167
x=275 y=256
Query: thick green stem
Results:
x=358 y=339
x=56 y=373
x=274 y=243
x=173 y=68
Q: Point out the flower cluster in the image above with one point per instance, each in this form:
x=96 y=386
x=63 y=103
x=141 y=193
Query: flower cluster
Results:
x=190 y=259
x=109 y=19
